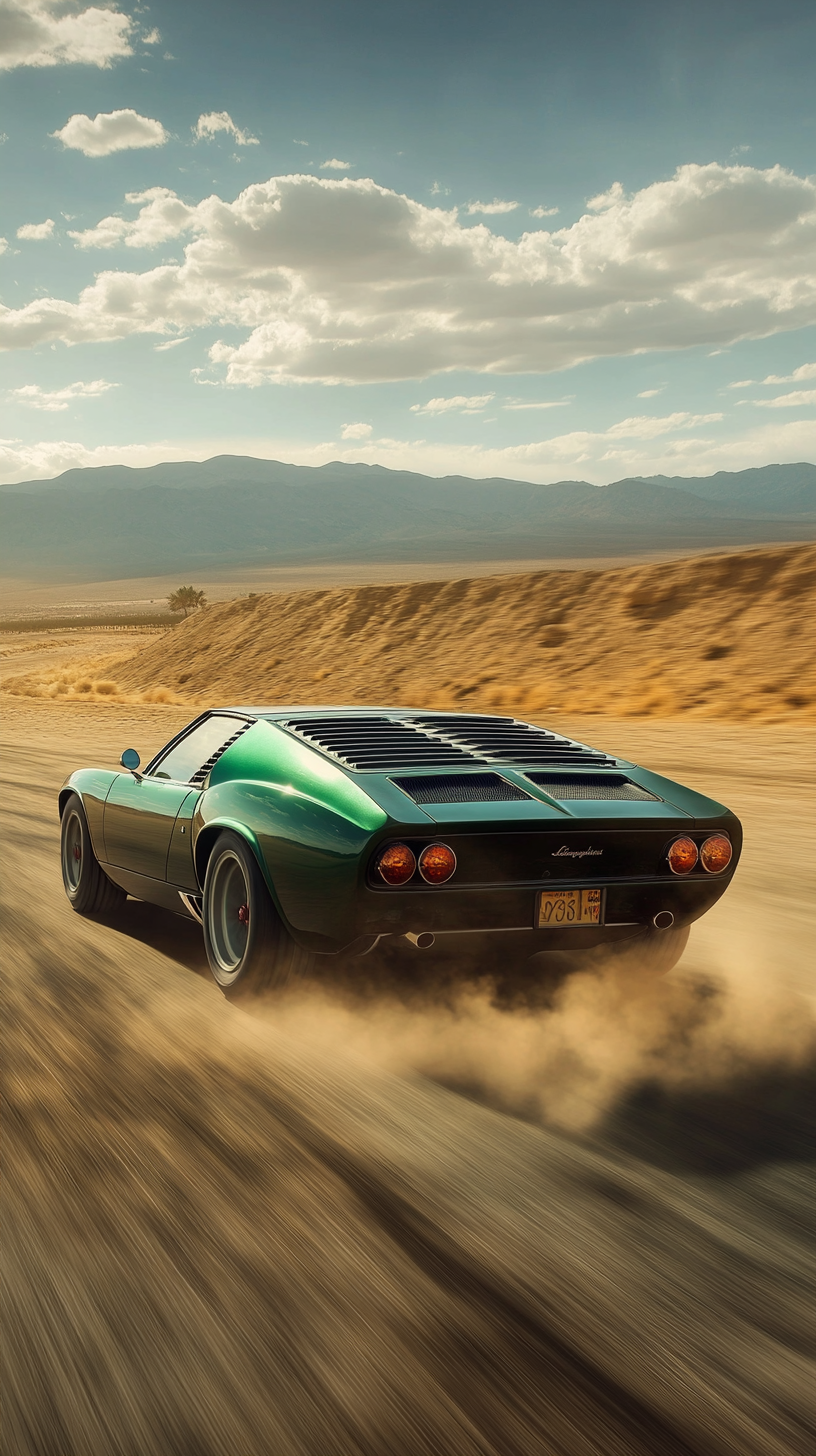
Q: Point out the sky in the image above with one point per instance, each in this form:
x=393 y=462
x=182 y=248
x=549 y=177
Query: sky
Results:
x=537 y=241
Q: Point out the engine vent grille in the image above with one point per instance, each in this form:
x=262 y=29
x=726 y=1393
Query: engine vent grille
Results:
x=460 y=789
x=201 y=773
x=381 y=743
x=378 y=743
x=589 y=786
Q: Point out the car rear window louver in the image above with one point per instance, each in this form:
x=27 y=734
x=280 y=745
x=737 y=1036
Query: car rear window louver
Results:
x=200 y=774
x=506 y=740
x=380 y=744
x=589 y=786
x=460 y=789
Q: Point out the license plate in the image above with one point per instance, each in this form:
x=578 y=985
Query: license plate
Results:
x=569 y=907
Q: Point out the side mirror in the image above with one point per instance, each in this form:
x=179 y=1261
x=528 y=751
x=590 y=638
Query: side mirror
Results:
x=130 y=760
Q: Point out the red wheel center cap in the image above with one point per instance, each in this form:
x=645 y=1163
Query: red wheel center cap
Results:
x=77 y=852
x=243 y=914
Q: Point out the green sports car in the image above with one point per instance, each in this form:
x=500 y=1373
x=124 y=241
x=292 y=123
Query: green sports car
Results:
x=294 y=835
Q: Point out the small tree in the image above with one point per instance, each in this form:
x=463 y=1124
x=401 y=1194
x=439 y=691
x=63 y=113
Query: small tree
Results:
x=185 y=599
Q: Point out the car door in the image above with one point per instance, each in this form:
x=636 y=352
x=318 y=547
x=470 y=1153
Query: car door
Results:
x=139 y=818
x=141 y=810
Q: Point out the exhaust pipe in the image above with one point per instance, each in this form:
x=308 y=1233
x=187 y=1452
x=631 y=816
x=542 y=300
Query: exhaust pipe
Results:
x=664 y=920
x=423 y=941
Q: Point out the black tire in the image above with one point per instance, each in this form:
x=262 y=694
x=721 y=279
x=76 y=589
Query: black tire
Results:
x=249 y=949
x=88 y=888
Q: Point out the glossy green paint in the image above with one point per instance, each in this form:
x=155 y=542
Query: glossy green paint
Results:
x=310 y=852
x=700 y=808
x=138 y=823
x=267 y=754
x=181 y=868
x=92 y=785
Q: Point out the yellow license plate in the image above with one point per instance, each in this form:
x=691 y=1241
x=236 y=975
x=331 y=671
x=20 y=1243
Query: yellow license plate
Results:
x=569 y=907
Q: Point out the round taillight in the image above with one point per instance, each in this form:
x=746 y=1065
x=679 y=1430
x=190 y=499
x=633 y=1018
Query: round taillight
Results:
x=437 y=863
x=683 y=856
x=396 y=864
x=715 y=854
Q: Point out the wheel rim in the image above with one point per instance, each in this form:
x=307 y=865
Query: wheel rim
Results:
x=228 y=914
x=72 y=848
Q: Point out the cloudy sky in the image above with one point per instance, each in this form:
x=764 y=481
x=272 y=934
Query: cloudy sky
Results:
x=535 y=240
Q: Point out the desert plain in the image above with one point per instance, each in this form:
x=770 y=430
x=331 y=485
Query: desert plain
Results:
x=394 y=1217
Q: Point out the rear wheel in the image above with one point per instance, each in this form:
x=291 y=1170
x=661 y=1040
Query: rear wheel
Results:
x=88 y=888
x=249 y=949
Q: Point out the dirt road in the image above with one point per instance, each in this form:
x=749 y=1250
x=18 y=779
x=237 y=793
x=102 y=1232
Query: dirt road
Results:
x=363 y=1224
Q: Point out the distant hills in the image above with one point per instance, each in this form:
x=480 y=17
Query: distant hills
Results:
x=186 y=517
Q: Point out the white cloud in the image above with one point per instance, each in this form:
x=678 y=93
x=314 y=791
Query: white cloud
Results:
x=162 y=215
x=544 y=211
x=299 y=143
x=4 y=242
x=463 y=403
x=493 y=208
x=743 y=383
x=805 y=371
x=590 y=456
x=343 y=281
x=153 y=37
x=335 y=165
x=170 y=344
x=213 y=122
x=356 y=432
x=650 y=393
x=613 y=198
x=648 y=427
x=110 y=131
x=794 y=400
x=536 y=404
x=32 y=33
x=60 y=399
x=36 y=231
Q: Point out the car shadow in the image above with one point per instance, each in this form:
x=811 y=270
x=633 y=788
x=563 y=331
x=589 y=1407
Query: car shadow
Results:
x=765 y=1117
x=172 y=935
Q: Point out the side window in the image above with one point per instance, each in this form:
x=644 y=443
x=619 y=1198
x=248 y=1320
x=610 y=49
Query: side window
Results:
x=189 y=760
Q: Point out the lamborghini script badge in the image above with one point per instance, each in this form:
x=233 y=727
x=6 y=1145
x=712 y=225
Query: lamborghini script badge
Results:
x=565 y=852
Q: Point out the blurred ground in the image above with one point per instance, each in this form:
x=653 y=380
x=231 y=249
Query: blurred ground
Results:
x=368 y=1221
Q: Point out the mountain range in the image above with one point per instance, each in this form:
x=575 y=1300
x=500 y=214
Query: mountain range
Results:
x=186 y=517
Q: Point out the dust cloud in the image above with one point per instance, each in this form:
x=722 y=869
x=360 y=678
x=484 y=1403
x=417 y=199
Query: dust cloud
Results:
x=566 y=1055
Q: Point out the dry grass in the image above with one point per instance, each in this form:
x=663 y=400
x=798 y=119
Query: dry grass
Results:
x=726 y=636
x=88 y=680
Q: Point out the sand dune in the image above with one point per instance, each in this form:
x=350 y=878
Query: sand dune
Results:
x=725 y=636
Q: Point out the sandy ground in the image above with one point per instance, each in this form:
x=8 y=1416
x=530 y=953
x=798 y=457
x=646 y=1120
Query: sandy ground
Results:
x=33 y=651
x=373 y=1220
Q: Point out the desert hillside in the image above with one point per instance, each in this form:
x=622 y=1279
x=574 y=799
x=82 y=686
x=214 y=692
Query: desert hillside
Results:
x=717 y=636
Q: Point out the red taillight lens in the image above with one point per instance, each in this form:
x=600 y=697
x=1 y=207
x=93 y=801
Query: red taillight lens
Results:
x=683 y=856
x=396 y=864
x=437 y=863
x=716 y=853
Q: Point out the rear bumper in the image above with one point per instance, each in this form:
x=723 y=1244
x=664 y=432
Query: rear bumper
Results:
x=463 y=917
